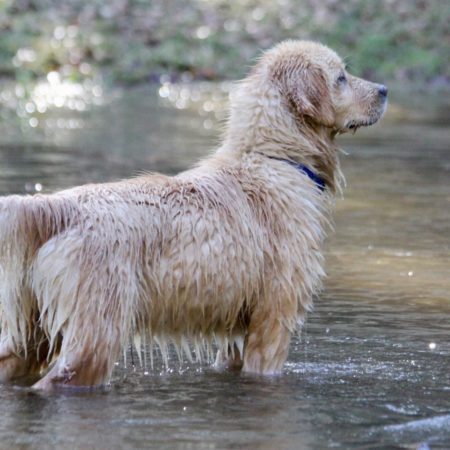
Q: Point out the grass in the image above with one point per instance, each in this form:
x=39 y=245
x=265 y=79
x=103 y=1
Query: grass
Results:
x=134 y=41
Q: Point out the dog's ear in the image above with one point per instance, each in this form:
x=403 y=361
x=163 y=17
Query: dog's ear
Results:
x=309 y=95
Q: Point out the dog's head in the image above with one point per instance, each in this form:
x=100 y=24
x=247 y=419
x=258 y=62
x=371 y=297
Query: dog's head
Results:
x=317 y=88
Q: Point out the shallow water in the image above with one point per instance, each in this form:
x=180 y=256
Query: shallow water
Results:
x=372 y=367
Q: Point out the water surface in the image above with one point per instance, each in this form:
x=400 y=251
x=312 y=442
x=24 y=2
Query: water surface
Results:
x=372 y=367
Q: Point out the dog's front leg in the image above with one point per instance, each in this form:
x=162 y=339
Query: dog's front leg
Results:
x=267 y=344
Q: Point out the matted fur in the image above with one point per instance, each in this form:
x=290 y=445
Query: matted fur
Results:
x=228 y=251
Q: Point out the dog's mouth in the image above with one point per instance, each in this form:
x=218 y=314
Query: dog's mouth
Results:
x=353 y=125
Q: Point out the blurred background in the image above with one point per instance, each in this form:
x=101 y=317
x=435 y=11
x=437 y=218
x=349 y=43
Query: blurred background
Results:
x=60 y=61
x=132 y=41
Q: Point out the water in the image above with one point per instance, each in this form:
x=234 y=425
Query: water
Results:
x=372 y=367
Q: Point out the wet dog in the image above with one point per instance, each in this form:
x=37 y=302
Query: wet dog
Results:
x=229 y=251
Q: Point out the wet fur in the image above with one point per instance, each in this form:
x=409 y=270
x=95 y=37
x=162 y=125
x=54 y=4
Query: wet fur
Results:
x=229 y=251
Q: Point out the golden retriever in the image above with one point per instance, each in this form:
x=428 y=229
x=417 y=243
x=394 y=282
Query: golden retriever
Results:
x=228 y=252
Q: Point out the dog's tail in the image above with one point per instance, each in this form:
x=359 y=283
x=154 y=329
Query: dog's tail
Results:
x=26 y=223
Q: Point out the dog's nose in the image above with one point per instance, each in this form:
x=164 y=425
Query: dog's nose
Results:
x=382 y=91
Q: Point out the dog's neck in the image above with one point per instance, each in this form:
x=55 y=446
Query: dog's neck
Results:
x=261 y=123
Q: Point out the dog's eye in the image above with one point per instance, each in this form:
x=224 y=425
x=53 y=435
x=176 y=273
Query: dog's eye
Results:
x=342 y=79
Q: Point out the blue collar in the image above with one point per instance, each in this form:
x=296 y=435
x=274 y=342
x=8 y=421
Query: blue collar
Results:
x=319 y=181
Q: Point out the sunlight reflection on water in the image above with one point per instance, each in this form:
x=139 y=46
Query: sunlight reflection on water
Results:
x=372 y=365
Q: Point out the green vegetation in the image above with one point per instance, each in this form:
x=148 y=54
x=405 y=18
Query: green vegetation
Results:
x=131 y=41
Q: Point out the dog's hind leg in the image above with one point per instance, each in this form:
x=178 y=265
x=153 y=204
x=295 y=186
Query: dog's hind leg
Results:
x=87 y=296
x=25 y=222
x=16 y=304
x=87 y=361
x=17 y=363
x=12 y=364
x=92 y=338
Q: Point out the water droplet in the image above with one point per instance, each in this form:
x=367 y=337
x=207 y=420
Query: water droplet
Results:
x=85 y=68
x=203 y=32
x=164 y=91
x=80 y=105
x=25 y=55
x=432 y=345
x=208 y=106
x=38 y=187
x=19 y=91
x=53 y=77
x=181 y=104
x=30 y=107
x=97 y=91
x=41 y=107
x=207 y=124
x=59 y=33
x=59 y=102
